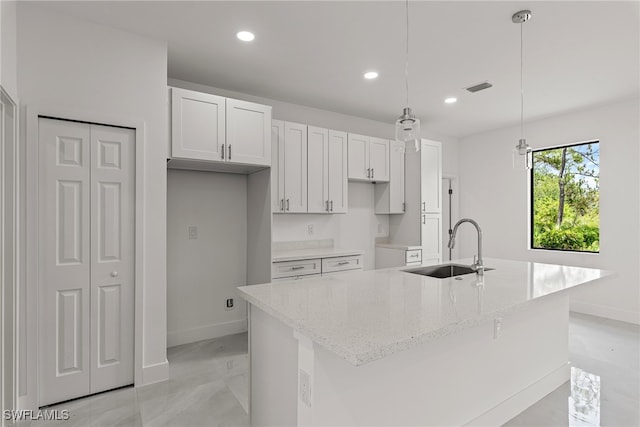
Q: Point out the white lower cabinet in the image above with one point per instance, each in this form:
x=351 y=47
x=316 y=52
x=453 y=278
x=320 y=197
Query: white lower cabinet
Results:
x=431 y=237
x=315 y=267
x=387 y=257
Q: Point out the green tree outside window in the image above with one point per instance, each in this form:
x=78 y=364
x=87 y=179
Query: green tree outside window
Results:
x=566 y=198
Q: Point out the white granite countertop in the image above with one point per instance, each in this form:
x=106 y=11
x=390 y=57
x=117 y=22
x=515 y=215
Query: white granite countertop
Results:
x=363 y=316
x=310 y=253
x=398 y=246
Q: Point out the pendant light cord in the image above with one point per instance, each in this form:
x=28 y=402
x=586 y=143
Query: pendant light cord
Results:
x=406 y=69
x=521 y=84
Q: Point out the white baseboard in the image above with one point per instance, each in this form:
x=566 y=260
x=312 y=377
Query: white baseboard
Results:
x=517 y=403
x=605 y=311
x=206 y=332
x=154 y=373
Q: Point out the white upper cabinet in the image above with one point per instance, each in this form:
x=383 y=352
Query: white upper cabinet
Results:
x=248 y=133
x=318 y=170
x=327 y=171
x=277 y=172
x=217 y=129
x=337 y=175
x=431 y=167
x=368 y=158
x=359 y=157
x=198 y=125
x=390 y=197
x=291 y=168
x=379 y=159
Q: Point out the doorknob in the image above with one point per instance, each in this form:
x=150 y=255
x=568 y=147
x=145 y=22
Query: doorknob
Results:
x=114 y=274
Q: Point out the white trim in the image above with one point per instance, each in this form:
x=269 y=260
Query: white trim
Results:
x=605 y=311
x=32 y=261
x=520 y=401
x=214 y=330
x=153 y=373
x=9 y=309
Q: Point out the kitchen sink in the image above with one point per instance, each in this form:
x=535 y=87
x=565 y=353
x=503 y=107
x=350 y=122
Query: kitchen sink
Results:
x=443 y=271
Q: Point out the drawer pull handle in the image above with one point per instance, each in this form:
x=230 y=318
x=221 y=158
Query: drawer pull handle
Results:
x=299 y=267
x=343 y=263
x=413 y=256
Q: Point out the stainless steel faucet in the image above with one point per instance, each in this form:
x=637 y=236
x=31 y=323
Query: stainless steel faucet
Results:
x=478 y=265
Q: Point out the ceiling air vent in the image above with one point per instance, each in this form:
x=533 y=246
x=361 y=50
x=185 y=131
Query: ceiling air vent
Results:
x=479 y=87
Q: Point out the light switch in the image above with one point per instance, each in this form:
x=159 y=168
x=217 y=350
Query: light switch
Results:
x=193 y=232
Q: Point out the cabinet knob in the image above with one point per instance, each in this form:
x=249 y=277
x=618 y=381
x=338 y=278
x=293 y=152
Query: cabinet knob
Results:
x=114 y=274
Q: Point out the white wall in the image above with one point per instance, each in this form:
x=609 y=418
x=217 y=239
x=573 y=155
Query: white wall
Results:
x=202 y=273
x=496 y=195
x=357 y=229
x=360 y=226
x=8 y=71
x=65 y=64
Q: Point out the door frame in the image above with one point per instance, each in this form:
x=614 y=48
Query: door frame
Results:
x=454 y=210
x=29 y=400
x=9 y=202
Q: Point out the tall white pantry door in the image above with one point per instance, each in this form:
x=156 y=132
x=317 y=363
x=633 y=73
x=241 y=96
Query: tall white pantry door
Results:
x=86 y=240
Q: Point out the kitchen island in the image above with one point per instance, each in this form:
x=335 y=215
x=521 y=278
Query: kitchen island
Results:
x=388 y=347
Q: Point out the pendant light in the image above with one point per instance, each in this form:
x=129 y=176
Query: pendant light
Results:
x=407 y=125
x=522 y=150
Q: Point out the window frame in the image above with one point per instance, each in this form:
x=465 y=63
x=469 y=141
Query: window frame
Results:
x=531 y=201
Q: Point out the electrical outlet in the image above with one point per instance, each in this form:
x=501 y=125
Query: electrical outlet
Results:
x=310 y=229
x=193 y=232
x=305 y=387
x=230 y=304
x=497 y=327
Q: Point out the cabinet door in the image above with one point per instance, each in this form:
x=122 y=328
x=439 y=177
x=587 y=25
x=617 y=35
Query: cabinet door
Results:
x=248 y=133
x=431 y=185
x=396 y=177
x=379 y=159
x=358 y=162
x=277 y=167
x=294 y=164
x=431 y=239
x=197 y=125
x=337 y=176
x=317 y=170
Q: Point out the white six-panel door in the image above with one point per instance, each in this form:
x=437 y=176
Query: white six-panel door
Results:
x=86 y=280
x=112 y=257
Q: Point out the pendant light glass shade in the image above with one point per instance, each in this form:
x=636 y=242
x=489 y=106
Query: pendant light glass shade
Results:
x=408 y=130
x=522 y=155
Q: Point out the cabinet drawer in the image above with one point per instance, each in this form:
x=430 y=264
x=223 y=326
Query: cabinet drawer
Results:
x=414 y=255
x=295 y=268
x=342 y=263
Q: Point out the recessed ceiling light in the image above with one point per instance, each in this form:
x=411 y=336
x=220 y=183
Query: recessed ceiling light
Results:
x=451 y=100
x=245 y=36
x=370 y=75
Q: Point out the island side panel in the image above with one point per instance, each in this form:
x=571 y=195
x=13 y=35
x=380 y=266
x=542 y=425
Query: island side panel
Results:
x=464 y=378
x=274 y=365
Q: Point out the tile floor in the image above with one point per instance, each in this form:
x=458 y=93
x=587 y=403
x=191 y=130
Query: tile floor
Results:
x=208 y=385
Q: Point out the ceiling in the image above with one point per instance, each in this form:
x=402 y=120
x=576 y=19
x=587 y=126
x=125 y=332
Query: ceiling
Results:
x=314 y=53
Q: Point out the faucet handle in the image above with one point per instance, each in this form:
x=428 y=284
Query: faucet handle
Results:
x=475 y=260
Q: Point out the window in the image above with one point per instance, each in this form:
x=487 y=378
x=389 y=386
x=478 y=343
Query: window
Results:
x=565 y=198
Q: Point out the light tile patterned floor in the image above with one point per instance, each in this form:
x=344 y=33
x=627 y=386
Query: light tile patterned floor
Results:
x=209 y=386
